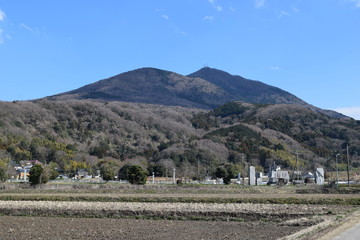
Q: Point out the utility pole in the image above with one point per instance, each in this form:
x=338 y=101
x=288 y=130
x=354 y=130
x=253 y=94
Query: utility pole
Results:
x=348 y=164
x=243 y=158
x=296 y=164
x=174 y=178
x=198 y=169
x=166 y=170
x=297 y=159
x=337 y=170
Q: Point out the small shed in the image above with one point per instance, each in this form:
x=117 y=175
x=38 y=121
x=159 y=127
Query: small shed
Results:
x=309 y=178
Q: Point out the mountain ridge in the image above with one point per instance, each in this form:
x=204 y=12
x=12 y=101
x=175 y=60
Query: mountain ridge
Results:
x=150 y=85
x=251 y=91
x=206 y=88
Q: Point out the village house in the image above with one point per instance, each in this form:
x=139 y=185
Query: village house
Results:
x=278 y=177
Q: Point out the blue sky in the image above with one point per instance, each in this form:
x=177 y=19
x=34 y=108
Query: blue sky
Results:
x=310 y=48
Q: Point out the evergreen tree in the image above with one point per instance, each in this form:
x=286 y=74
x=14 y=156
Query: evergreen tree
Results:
x=137 y=175
x=107 y=172
x=226 y=172
x=3 y=175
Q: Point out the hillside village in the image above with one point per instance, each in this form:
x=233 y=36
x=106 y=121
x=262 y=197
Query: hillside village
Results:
x=20 y=173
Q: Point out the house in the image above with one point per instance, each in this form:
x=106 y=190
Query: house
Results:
x=82 y=173
x=29 y=163
x=278 y=177
x=23 y=174
x=309 y=178
x=21 y=170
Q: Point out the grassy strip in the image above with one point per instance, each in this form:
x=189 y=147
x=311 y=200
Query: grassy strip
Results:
x=265 y=200
x=142 y=217
x=117 y=188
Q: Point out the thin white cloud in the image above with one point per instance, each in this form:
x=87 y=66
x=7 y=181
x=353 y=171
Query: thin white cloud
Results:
x=208 y=18
x=181 y=33
x=295 y=9
x=353 y=112
x=274 y=68
x=1 y=36
x=356 y=2
x=28 y=28
x=259 y=3
x=217 y=7
x=232 y=9
x=2 y=18
x=283 y=14
x=175 y=29
x=2 y=15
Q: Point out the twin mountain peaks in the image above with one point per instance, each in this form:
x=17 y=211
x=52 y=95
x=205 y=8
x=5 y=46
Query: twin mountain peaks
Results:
x=207 y=88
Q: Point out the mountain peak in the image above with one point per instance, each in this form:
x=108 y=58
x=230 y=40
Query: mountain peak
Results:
x=246 y=90
x=207 y=88
x=154 y=86
x=211 y=71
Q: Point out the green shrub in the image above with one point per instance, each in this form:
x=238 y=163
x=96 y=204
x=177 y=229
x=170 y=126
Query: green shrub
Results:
x=226 y=172
x=137 y=175
x=3 y=175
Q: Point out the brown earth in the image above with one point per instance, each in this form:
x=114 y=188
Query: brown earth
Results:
x=21 y=227
x=192 y=195
x=131 y=220
x=186 y=213
x=178 y=211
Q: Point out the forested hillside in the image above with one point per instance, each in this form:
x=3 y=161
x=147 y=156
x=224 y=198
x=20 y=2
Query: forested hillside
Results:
x=85 y=134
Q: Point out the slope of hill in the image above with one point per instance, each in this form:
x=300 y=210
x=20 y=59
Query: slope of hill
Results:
x=193 y=141
x=242 y=89
x=206 y=88
x=150 y=85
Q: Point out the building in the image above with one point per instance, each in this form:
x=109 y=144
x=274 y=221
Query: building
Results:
x=278 y=177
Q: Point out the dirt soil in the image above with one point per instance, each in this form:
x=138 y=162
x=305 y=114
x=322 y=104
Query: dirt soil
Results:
x=21 y=227
x=126 y=213
x=243 y=211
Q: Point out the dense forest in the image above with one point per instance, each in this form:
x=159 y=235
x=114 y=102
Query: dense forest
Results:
x=84 y=134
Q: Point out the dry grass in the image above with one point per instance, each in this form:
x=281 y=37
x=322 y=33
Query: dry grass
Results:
x=187 y=194
x=209 y=211
x=290 y=207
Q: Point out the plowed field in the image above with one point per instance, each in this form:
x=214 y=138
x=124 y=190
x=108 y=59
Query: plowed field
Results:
x=172 y=212
x=104 y=228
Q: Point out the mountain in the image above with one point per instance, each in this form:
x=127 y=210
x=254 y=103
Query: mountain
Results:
x=194 y=141
x=150 y=85
x=242 y=89
x=206 y=88
x=161 y=120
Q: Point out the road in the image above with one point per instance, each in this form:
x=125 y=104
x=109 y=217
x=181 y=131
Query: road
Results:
x=352 y=233
x=345 y=229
